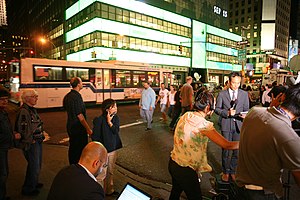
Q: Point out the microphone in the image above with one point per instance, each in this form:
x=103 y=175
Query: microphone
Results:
x=233 y=104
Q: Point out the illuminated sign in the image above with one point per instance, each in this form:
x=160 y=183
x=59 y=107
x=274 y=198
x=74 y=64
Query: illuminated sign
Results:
x=104 y=53
x=219 y=11
x=293 y=49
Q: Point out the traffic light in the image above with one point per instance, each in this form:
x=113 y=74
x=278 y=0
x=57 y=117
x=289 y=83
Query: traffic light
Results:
x=31 y=53
x=180 y=49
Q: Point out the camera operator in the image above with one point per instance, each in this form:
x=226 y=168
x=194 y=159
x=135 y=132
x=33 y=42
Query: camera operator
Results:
x=268 y=147
x=30 y=126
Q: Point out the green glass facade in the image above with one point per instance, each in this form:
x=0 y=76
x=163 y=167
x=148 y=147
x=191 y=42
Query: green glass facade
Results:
x=130 y=30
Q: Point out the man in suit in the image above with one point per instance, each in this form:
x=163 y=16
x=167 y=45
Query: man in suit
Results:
x=230 y=103
x=77 y=181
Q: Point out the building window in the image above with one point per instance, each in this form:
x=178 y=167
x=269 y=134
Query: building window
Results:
x=255 y=34
x=248 y=35
x=254 y=43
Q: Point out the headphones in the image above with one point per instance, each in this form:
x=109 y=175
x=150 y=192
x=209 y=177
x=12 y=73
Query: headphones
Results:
x=203 y=99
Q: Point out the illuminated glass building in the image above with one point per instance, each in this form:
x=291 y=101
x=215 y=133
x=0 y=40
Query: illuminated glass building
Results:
x=176 y=34
x=129 y=30
x=265 y=24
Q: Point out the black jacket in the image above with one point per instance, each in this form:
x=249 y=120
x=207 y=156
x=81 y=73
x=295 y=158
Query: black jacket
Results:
x=6 y=131
x=74 y=183
x=108 y=136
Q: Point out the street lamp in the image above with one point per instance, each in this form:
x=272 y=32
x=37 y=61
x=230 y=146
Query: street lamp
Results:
x=44 y=41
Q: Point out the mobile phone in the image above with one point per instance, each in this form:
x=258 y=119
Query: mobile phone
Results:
x=112 y=114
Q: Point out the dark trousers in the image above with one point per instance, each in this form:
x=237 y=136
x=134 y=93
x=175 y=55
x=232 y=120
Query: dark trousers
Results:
x=184 y=179
x=77 y=143
x=170 y=111
x=176 y=115
x=230 y=157
x=3 y=173
x=34 y=164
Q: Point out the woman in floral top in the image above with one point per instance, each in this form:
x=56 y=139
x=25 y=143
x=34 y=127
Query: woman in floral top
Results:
x=188 y=157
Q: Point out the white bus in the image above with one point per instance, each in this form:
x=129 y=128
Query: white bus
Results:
x=279 y=75
x=110 y=79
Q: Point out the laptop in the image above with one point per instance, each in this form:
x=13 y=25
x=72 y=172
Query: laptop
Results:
x=130 y=192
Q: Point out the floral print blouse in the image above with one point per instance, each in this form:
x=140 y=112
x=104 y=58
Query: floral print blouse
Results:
x=189 y=144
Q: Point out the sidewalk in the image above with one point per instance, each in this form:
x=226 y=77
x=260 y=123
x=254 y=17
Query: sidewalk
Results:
x=54 y=159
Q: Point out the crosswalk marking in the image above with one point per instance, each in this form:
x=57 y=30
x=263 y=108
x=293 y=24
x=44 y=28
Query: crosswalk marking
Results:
x=122 y=126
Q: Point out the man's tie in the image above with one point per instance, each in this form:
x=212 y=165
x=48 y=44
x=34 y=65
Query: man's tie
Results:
x=233 y=95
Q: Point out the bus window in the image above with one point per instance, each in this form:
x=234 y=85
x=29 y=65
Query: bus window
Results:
x=99 y=78
x=153 y=78
x=123 y=78
x=47 y=73
x=107 y=80
x=138 y=78
x=81 y=73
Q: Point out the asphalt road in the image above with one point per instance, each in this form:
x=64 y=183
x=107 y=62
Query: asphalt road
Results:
x=143 y=160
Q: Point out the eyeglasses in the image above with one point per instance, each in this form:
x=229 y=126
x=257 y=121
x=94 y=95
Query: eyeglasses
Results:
x=105 y=163
x=34 y=96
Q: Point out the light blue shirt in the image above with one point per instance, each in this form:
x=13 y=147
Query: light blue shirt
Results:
x=148 y=99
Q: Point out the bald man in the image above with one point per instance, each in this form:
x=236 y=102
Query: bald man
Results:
x=77 y=126
x=78 y=181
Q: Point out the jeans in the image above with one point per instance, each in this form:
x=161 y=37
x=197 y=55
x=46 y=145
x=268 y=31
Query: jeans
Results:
x=147 y=116
x=170 y=111
x=230 y=157
x=184 y=179
x=176 y=115
x=3 y=173
x=34 y=163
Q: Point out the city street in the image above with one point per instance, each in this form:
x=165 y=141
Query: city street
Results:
x=143 y=160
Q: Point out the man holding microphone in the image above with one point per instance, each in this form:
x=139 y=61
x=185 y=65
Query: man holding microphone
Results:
x=230 y=104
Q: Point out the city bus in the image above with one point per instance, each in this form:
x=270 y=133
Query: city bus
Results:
x=280 y=75
x=108 y=79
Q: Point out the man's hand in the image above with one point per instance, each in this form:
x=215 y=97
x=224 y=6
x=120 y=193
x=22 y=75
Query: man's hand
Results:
x=150 y=108
x=17 y=136
x=89 y=131
x=231 y=112
x=276 y=101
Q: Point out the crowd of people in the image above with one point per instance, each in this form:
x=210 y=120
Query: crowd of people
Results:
x=256 y=144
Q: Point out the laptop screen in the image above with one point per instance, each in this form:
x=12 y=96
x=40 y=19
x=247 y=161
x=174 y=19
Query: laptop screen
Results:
x=130 y=192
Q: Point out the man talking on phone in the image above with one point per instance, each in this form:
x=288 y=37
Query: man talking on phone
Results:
x=230 y=104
